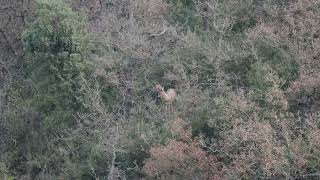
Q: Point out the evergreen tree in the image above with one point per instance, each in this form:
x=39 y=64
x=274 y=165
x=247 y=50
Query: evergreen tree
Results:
x=56 y=47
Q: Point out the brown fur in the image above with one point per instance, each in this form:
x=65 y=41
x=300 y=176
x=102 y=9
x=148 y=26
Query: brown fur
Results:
x=168 y=96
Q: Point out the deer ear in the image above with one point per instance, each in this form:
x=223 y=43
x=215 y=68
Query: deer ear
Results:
x=158 y=87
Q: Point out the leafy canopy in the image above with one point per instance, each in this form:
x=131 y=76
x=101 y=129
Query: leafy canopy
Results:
x=57 y=52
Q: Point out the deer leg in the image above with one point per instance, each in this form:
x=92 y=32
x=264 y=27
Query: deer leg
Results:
x=167 y=109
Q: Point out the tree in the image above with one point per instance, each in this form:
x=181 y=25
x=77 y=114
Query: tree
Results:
x=57 y=80
x=57 y=59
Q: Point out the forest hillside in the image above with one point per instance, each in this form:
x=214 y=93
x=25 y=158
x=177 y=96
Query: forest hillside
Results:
x=159 y=89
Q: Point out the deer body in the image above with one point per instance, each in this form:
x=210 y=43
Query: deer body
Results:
x=168 y=96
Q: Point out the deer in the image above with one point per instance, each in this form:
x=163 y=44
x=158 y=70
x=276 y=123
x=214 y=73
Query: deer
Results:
x=167 y=96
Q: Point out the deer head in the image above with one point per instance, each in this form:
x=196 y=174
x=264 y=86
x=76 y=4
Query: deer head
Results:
x=159 y=88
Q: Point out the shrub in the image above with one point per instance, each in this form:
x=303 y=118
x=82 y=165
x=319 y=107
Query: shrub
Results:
x=56 y=47
x=183 y=158
x=57 y=78
x=180 y=160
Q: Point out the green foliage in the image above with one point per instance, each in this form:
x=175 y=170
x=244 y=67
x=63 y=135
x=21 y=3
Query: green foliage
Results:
x=279 y=60
x=110 y=95
x=243 y=24
x=200 y=125
x=262 y=77
x=232 y=66
x=141 y=139
x=56 y=30
x=270 y=67
x=57 y=77
x=56 y=47
x=240 y=68
x=183 y=12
